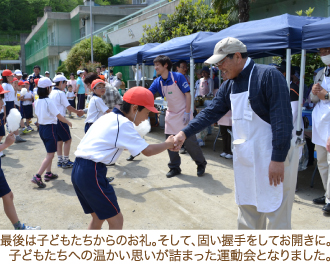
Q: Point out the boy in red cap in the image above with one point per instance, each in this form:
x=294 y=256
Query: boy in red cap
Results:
x=104 y=142
x=5 y=192
x=96 y=107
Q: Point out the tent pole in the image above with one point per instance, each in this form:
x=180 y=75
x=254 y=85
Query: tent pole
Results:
x=137 y=74
x=301 y=91
x=288 y=67
x=192 y=84
x=143 y=81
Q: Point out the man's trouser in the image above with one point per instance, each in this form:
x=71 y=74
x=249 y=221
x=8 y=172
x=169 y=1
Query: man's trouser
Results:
x=323 y=164
x=194 y=150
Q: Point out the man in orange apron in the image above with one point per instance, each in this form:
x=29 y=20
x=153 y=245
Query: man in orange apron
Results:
x=264 y=168
x=175 y=89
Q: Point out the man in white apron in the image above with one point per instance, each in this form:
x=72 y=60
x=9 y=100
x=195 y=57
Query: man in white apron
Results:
x=175 y=89
x=321 y=125
x=262 y=128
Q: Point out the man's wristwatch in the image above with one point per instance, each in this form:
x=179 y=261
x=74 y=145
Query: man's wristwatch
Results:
x=326 y=97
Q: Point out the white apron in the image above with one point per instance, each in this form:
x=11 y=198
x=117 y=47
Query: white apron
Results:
x=321 y=118
x=252 y=155
x=176 y=107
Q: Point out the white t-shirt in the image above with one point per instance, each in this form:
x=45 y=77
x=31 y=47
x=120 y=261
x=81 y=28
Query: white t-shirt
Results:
x=60 y=100
x=11 y=95
x=109 y=136
x=70 y=95
x=46 y=111
x=96 y=108
x=28 y=95
x=17 y=102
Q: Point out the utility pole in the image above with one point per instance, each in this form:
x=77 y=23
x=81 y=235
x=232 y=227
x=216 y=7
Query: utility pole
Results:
x=91 y=24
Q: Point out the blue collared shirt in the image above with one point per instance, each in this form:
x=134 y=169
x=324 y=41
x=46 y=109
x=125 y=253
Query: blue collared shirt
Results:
x=269 y=98
x=180 y=79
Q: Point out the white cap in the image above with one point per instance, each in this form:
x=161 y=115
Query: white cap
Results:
x=46 y=72
x=18 y=72
x=59 y=78
x=45 y=82
x=225 y=47
x=79 y=72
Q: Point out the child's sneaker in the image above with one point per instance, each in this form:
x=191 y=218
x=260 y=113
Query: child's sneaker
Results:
x=59 y=164
x=67 y=164
x=50 y=176
x=26 y=227
x=38 y=181
x=110 y=179
x=30 y=128
x=26 y=130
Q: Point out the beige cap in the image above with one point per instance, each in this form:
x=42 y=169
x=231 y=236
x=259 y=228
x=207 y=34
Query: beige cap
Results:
x=119 y=75
x=225 y=47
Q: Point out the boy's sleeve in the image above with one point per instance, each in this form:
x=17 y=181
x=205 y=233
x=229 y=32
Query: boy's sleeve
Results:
x=64 y=100
x=129 y=139
x=154 y=87
x=101 y=105
x=182 y=83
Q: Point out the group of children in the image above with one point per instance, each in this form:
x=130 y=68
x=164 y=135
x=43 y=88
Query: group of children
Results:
x=108 y=134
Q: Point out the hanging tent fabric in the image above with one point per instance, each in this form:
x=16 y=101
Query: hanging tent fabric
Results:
x=265 y=37
x=316 y=35
x=176 y=49
x=130 y=56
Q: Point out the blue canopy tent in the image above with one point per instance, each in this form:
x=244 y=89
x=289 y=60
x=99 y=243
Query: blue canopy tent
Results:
x=131 y=56
x=265 y=37
x=316 y=35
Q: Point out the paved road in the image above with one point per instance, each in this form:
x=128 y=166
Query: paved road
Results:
x=148 y=200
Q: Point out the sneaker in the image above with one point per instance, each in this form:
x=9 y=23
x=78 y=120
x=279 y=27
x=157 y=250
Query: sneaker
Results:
x=30 y=128
x=223 y=154
x=59 y=164
x=38 y=181
x=19 y=139
x=26 y=130
x=229 y=156
x=26 y=227
x=70 y=116
x=67 y=165
x=3 y=155
x=110 y=179
x=50 y=176
x=200 y=170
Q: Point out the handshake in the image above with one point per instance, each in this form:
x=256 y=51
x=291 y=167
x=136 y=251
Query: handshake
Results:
x=174 y=143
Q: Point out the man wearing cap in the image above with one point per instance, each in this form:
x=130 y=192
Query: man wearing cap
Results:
x=18 y=74
x=47 y=75
x=262 y=129
x=63 y=132
x=175 y=89
x=321 y=125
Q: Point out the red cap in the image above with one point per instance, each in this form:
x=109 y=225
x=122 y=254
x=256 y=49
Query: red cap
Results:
x=7 y=73
x=15 y=79
x=102 y=77
x=140 y=96
x=26 y=82
x=20 y=83
x=97 y=81
x=36 y=81
x=2 y=91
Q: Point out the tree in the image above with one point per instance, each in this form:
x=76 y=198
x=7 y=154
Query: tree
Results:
x=188 y=18
x=239 y=7
x=81 y=53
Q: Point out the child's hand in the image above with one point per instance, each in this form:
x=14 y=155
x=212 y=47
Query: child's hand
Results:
x=70 y=124
x=10 y=139
x=170 y=142
x=21 y=98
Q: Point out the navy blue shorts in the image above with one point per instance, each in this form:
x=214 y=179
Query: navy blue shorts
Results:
x=20 y=108
x=4 y=187
x=72 y=103
x=2 y=126
x=63 y=131
x=94 y=192
x=48 y=134
x=87 y=126
x=27 y=111
x=9 y=106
